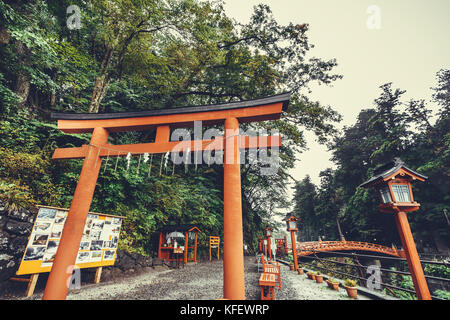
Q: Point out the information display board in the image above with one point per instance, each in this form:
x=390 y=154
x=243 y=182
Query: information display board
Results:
x=98 y=245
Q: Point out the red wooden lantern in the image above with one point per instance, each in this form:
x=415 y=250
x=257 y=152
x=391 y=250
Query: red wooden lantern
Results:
x=268 y=232
x=393 y=182
x=291 y=223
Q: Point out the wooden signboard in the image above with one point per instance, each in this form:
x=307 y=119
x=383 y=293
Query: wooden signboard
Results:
x=98 y=245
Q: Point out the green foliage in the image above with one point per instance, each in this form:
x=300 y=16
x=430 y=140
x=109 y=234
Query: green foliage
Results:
x=350 y=283
x=140 y=55
x=443 y=294
x=392 y=128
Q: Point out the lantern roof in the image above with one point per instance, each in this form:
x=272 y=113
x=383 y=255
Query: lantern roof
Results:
x=180 y=228
x=390 y=170
x=290 y=217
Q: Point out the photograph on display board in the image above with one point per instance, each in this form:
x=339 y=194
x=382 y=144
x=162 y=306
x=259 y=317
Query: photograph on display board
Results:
x=96 y=234
x=60 y=217
x=98 y=224
x=96 y=256
x=96 y=245
x=57 y=231
x=84 y=245
x=52 y=246
x=108 y=254
x=83 y=257
x=40 y=240
x=114 y=241
x=42 y=227
x=34 y=253
x=88 y=224
x=47 y=213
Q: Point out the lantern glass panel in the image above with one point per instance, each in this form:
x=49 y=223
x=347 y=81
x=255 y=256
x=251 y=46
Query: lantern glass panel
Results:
x=385 y=195
x=401 y=192
x=292 y=225
x=269 y=233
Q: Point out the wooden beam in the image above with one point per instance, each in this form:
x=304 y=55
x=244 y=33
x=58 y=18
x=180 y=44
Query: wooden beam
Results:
x=249 y=114
x=246 y=142
x=32 y=284
x=98 y=274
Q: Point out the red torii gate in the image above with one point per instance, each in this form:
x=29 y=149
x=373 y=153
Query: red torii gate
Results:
x=100 y=125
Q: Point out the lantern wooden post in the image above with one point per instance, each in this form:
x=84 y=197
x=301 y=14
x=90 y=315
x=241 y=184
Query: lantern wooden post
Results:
x=393 y=182
x=61 y=273
x=412 y=257
x=291 y=224
x=294 y=250
x=233 y=252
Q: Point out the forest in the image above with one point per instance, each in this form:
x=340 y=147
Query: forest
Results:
x=135 y=55
x=391 y=128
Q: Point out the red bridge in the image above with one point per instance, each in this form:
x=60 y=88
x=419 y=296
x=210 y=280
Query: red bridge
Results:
x=308 y=248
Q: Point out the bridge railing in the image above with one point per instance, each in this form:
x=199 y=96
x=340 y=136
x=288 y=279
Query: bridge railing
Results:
x=344 y=245
x=358 y=267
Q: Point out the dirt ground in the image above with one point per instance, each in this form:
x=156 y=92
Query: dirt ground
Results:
x=201 y=281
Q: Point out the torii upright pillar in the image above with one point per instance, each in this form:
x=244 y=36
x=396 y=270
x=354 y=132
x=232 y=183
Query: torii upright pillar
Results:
x=233 y=251
x=76 y=219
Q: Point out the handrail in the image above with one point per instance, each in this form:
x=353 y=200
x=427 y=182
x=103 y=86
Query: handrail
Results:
x=381 y=269
x=307 y=248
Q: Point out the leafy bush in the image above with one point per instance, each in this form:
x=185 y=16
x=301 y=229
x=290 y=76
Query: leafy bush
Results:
x=350 y=283
x=443 y=294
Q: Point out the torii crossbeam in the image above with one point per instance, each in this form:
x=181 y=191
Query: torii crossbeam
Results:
x=100 y=125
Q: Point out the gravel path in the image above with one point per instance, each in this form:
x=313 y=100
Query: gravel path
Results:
x=202 y=281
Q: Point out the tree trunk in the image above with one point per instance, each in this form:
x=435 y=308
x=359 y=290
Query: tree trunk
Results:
x=22 y=88
x=101 y=82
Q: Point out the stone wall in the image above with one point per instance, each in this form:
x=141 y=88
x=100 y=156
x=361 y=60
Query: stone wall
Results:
x=15 y=227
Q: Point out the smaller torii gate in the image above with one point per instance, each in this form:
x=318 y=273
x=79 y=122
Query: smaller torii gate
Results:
x=100 y=125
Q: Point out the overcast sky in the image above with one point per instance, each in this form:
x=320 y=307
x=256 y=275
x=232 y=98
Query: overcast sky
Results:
x=374 y=42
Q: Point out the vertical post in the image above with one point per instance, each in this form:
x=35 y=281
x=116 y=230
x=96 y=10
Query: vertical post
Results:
x=269 y=247
x=186 y=243
x=195 y=248
x=233 y=242
x=32 y=284
x=160 y=245
x=209 y=248
x=294 y=250
x=412 y=257
x=57 y=283
x=98 y=274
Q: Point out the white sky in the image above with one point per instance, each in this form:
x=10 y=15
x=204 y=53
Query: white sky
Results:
x=410 y=46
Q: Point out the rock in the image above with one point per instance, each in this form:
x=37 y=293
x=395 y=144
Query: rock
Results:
x=20 y=215
x=157 y=262
x=18 y=244
x=18 y=228
x=3 y=241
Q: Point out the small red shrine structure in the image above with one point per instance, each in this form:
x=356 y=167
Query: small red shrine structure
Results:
x=177 y=236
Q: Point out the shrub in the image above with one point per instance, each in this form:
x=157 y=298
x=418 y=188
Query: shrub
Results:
x=350 y=283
